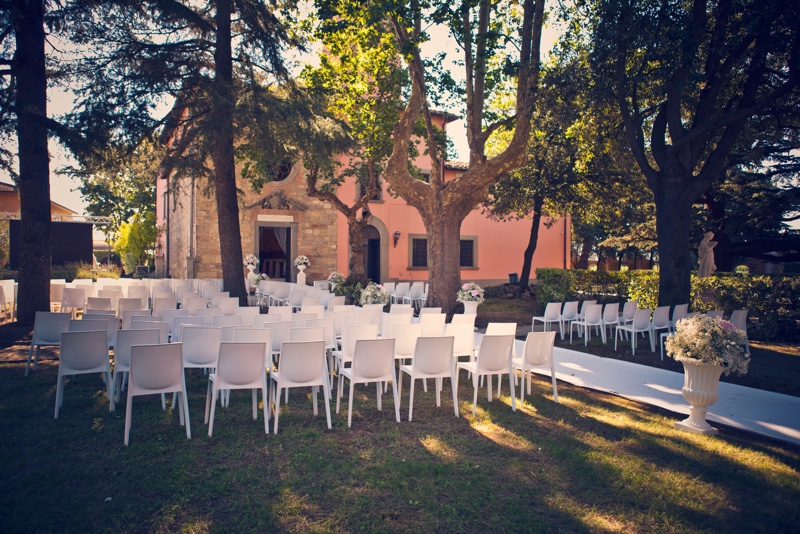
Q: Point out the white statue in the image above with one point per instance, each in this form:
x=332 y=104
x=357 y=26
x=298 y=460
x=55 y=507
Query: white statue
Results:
x=706 y=256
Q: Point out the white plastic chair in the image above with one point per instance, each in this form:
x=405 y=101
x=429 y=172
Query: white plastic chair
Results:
x=160 y=326
x=248 y=314
x=333 y=302
x=161 y=304
x=302 y=364
x=200 y=346
x=83 y=353
x=228 y=306
x=593 y=318
x=400 y=292
x=660 y=321
x=424 y=311
x=628 y=312
x=110 y=325
x=405 y=336
x=715 y=313
x=552 y=315
x=494 y=358
x=195 y=303
x=98 y=303
x=568 y=314
x=262 y=320
x=351 y=334
x=373 y=361
x=73 y=299
x=284 y=312
x=640 y=325
x=157 y=369
x=226 y=320
x=129 y=315
x=433 y=324
x=240 y=366
x=47 y=330
x=678 y=313
x=537 y=352
x=178 y=324
x=122 y=354
x=610 y=317
x=739 y=320
x=314 y=333
x=389 y=320
x=433 y=358
x=464 y=318
x=112 y=294
x=463 y=336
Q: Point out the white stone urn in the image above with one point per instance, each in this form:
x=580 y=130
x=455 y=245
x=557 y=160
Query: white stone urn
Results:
x=701 y=390
x=252 y=276
x=470 y=307
x=301 y=275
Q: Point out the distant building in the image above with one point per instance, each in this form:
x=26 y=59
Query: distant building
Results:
x=281 y=221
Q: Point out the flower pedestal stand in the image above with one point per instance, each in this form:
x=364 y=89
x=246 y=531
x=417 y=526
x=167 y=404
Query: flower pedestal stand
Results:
x=470 y=308
x=301 y=275
x=252 y=276
x=700 y=389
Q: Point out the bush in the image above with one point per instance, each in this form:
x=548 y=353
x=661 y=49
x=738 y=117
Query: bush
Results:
x=769 y=299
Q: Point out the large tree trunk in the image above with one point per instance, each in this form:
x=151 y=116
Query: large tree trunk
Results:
x=533 y=241
x=356 y=265
x=673 y=216
x=34 y=161
x=230 y=240
x=586 y=251
x=444 y=270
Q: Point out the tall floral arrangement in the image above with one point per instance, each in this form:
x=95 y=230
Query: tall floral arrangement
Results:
x=251 y=259
x=470 y=292
x=709 y=340
x=374 y=294
x=335 y=279
x=301 y=260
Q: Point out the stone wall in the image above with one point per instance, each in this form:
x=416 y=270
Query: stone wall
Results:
x=314 y=226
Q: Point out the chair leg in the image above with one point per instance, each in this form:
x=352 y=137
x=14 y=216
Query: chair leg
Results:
x=128 y=419
x=185 y=404
x=255 y=403
x=210 y=418
x=411 y=400
x=513 y=393
x=454 y=387
x=59 y=393
x=30 y=356
x=380 y=395
x=555 y=389
x=276 y=403
x=350 y=407
x=396 y=401
x=475 y=393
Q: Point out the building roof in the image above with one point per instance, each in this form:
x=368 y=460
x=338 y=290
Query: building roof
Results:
x=11 y=188
x=457 y=165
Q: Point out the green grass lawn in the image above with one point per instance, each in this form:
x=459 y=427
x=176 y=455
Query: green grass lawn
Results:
x=594 y=462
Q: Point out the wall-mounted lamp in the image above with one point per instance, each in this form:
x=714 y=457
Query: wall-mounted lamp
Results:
x=396 y=238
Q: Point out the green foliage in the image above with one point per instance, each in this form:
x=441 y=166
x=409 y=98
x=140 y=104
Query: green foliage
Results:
x=351 y=291
x=84 y=270
x=769 y=299
x=136 y=239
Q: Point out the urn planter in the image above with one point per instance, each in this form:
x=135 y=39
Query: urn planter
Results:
x=470 y=307
x=701 y=390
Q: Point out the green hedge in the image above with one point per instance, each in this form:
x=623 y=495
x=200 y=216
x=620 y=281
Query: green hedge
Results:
x=770 y=300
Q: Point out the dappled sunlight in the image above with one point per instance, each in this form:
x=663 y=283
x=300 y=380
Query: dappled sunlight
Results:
x=295 y=512
x=502 y=436
x=576 y=367
x=665 y=389
x=439 y=449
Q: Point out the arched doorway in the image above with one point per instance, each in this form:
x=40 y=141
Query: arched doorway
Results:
x=372 y=255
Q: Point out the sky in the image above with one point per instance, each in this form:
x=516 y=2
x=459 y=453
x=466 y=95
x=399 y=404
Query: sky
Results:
x=63 y=189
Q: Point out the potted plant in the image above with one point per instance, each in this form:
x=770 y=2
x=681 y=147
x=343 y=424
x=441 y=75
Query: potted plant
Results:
x=335 y=279
x=470 y=295
x=707 y=347
x=251 y=262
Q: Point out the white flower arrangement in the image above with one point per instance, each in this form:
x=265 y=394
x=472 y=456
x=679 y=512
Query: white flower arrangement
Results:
x=301 y=260
x=374 y=294
x=709 y=340
x=336 y=279
x=470 y=292
x=251 y=259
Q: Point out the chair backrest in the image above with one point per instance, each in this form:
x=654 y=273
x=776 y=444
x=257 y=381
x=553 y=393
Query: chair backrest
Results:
x=353 y=320
x=494 y=355
x=552 y=311
x=739 y=319
x=282 y=291
x=309 y=301
x=302 y=363
x=313 y=333
x=661 y=317
x=228 y=305
x=128 y=317
x=337 y=300
x=280 y=333
x=401 y=309
x=162 y=304
x=501 y=329
x=570 y=310
x=261 y=320
x=641 y=320
x=715 y=313
x=433 y=355
x=679 y=311
x=611 y=313
x=353 y=333
x=248 y=314
x=593 y=314
x=131 y=304
x=463 y=338
x=110 y=323
x=389 y=320
x=389 y=287
x=208 y=314
x=83 y=352
x=629 y=310
x=284 y=312
x=296 y=297
x=315 y=309
x=241 y=364
x=329 y=334
x=433 y=309
x=585 y=306
x=112 y=294
x=401 y=289
x=126 y=339
x=195 y=303
x=464 y=318
x=48 y=327
x=176 y=332
x=200 y=345
x=405 y=336
x=73 y=297
x=538 y=349
x=432 y=324
x=139 y=292
x=98 y=303
x=416 y=290
x=216 y=296
x=56 y=292
x=373 y=359
x=226 y=320
x=155 y=369
x=374 y=313
x=80 y=325
x=251 y=335
x=160 y=326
